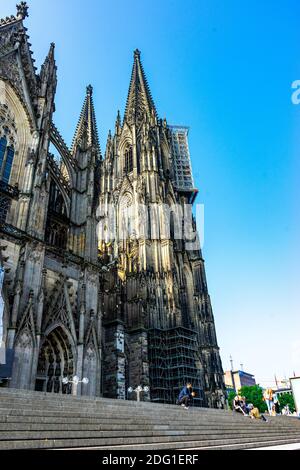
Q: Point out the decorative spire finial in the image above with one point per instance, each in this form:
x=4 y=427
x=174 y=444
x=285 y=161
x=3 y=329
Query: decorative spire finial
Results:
x=51 y=50
x=22 y=10
x=89 y=90
x=118 y=120
x=137 y=54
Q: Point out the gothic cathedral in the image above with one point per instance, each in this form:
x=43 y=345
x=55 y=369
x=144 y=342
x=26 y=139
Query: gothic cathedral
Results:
x=101 y=271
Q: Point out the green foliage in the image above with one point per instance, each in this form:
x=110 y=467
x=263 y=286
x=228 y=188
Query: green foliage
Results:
x=287 y=399
x=254 y=394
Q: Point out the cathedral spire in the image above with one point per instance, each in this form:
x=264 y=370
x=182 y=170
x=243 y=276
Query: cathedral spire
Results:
x=118 y=119
x=139 y=100
x=48 y=71
x=50 y=56
x=118 y=124
x=50 y=59
x=108 y=145
x=87 y=128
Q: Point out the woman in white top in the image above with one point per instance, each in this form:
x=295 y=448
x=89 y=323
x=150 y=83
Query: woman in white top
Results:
x=269 y=399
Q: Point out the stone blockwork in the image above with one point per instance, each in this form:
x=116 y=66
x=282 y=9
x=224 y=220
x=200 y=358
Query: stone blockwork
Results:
x=138 y=361
x=114 y=362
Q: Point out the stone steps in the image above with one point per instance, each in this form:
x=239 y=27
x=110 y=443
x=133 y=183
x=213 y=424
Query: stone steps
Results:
x=192 y=445
x=67 y=401
x=102 y=409
x=15 y=416
x=33 y=420
x=108 y=413
x=141 y=407
x=144 y=443
x=183 y=434
x=63 y=418
x=122 y=412
x=63 y=426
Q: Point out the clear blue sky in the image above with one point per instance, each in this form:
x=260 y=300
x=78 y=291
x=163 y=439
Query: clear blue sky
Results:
x=224 y=68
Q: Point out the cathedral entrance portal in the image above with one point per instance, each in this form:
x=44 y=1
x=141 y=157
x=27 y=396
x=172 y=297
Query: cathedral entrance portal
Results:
x=56 y=361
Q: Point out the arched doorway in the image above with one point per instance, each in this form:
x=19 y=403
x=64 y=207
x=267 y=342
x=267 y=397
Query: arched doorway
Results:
x=56 y=361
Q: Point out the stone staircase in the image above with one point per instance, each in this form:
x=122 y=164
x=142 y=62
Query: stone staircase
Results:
x=34 y=420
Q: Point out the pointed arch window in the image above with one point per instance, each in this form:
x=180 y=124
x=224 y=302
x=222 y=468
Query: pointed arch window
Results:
x=57 y=226
x=56 y=200
x=6 y=160
x=128 y=160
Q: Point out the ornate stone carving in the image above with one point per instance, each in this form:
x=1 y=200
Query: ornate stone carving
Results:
x=90 y=353
x=8 y=126
x=24 y=340
x=22 y=10
x=35 y=252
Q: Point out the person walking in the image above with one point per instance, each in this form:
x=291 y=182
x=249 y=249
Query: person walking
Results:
x=268 y=397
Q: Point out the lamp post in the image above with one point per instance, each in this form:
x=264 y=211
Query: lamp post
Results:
x=75 y=381
x=138 y=390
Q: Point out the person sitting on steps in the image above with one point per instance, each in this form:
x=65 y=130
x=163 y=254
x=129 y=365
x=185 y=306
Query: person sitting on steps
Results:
x=185 y=396
x=239 y=405
x=255 y=414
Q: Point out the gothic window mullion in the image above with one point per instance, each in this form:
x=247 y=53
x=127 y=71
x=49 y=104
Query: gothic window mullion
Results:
x=3 y=144
x=128 y=157
x=7 y=164
x=3 y=162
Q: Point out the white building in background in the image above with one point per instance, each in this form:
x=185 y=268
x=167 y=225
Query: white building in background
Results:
x=181 y=157
x=295 y=385
x=282 y=384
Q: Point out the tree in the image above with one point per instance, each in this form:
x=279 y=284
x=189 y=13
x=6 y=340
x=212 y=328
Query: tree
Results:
x=287 y=399
x=254 y=395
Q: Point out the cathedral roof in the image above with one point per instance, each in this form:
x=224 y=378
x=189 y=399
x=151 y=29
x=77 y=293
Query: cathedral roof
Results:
x=139 y=100
x=22 y=13
x=87 y=126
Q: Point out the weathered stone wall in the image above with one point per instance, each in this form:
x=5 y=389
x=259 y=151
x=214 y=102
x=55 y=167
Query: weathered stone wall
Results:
x=114 y=361
x=138 y=360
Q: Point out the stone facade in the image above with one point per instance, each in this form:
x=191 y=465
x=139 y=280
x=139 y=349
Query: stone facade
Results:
x=76 y=302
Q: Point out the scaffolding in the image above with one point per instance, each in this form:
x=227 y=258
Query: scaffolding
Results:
x=173 y=363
